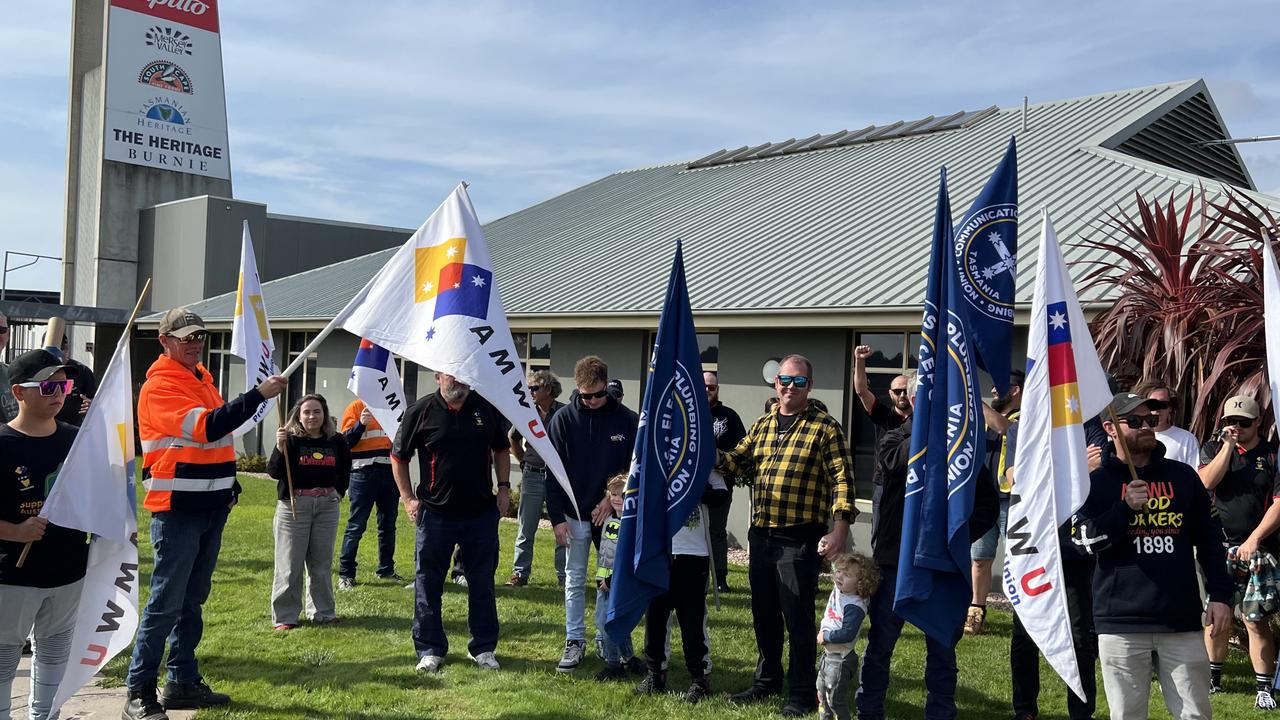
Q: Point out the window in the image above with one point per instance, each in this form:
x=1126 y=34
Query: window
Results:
x=298 y=341
x=534 y=348
x=892 y=354
x=217 y=359
x=708 y=350
x=408 y=378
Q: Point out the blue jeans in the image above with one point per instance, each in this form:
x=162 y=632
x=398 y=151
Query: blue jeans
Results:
x=882 y=635
x=575 y=583
x=614 y=653
x=984 y=548
x=371 y=486
x=477 y=541
x=533 y=494
x=186 y=544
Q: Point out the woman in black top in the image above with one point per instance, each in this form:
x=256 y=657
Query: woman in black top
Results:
x=305 y=531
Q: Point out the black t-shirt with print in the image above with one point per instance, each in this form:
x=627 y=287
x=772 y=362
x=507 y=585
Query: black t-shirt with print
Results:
x=316 y=463
x=1246 y=491
x=455 y=453
x=28 y=467
x=883 y=418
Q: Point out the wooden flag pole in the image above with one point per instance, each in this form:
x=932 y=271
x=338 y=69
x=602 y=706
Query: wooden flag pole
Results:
x=288 y=466
x=1124 y=445
x=146 y=288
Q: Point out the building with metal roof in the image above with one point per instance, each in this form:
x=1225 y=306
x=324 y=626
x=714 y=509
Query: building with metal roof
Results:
x=810 y=245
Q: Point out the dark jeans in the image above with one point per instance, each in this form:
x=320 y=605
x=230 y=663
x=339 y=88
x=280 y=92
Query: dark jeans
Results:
x=477 y=541
x=186 y=545
x=718 y=526
x=783 y=576
x=371 y=486
x=1024 y=656
x=882 y=635
x=687 y=595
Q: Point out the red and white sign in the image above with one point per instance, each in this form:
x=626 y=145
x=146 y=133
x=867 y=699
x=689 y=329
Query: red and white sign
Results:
x=166 y=106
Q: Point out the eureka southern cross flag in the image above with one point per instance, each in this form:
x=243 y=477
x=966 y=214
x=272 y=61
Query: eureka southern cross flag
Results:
x=375 y=380
x=1065 y=383
x=94 y=492
x=674 y=452
x=985 y=250
x=250 y=333
x=947 y=447
x=435 y=302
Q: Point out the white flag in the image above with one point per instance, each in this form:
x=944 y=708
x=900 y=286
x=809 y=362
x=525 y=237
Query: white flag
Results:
x=1065 y=384
x=251 y=339
x=94 y=492
x=1271 y=320
x=435 y=303
x=375 y=380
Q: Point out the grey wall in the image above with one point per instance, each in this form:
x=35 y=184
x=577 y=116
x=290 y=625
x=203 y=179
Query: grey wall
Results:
x=297 y=244
x=622 y=350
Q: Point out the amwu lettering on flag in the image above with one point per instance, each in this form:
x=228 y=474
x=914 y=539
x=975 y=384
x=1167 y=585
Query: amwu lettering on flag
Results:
x=94 y=492
x=674 y=452
x=947 y=446
x=375 y=380
x=1065 y=384
x=250 y=332
x=435 y=302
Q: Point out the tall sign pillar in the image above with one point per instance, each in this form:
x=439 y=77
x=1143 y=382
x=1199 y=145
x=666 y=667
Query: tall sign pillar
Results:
x=147 y=125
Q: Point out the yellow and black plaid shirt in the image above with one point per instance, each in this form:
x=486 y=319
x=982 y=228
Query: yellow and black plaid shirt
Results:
x=802 y=475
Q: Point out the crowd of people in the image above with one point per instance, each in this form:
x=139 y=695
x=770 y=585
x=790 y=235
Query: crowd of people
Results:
x=1165 y=513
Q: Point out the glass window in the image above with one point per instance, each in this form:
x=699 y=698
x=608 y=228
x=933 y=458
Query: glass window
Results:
x=522 y=343
x=539 y=348
x=886 y=349
x=217 y=359
x=709 y=349
x=913 y=350
x=298 y=341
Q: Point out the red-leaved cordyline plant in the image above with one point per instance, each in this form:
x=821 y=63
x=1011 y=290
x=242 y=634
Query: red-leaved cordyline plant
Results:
x=1185 y=287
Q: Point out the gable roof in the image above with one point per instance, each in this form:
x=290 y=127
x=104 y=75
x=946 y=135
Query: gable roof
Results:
x=821 y=225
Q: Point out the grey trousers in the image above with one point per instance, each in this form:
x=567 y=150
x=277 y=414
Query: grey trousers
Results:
x=49 y=615
x=1183 y=671
x=834 y=676
x=305 y=540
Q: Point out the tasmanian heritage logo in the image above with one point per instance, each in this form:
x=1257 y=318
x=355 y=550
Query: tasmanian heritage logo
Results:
x=165 y=110
x=167 y=76
x=986 y=250
x=170 y=40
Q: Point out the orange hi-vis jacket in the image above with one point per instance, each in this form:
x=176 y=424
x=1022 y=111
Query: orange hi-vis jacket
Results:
x=368 y=447
x=188 y=451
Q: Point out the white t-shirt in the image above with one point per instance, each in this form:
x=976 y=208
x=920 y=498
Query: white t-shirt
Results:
x=1180 y=445
x=692 y=539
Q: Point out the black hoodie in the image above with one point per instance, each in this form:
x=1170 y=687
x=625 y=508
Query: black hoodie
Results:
x=594 y=445
x=1146 y=576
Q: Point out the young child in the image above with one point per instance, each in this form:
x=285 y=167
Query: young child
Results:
x=855 y=577
x=687 y=596
x=618 y=659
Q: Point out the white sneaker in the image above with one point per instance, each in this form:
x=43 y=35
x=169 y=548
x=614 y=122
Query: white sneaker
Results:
x=431 y=663
x=1264 y=701
x=485 y=660
x=572 y=658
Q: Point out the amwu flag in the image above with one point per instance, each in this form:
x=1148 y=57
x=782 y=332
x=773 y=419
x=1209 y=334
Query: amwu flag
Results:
x=435 y=302
x=675 y=450
x=1271 y=321
x=250 y=333
x=1065 y=384
x=947 y=447
x=985 y=250
x=375 y=380
x=94 y=492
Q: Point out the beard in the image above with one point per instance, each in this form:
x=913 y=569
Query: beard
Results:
x=1143 y=443
x=1000 y=404
x=456 y=393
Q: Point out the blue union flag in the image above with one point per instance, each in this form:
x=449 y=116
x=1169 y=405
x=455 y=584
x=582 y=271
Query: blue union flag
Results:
x=674 y=452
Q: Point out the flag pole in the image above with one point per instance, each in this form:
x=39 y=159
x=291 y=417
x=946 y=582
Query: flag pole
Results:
x=128 y=326
x=288 y=467
x=1124 y=444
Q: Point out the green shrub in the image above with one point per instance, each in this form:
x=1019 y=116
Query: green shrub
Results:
x=250 y=463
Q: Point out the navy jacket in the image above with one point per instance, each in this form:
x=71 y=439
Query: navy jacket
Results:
x=594 y=445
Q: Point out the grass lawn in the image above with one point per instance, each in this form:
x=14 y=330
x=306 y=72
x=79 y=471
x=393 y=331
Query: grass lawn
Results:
x=363 y=668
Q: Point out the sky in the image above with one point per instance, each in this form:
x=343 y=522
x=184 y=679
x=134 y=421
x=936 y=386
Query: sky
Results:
x=372 y=112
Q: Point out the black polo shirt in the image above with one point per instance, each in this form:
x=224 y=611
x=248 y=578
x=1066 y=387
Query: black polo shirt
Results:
x=884 y=418
x=1246 y=491
x=455 y=458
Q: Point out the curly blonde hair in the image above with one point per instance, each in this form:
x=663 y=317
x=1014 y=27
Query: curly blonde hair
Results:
x=863 y=570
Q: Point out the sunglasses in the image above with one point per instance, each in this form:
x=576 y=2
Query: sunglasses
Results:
x=712 y=387
x=1238 y=422
x=50 y=387
x=592 y=396
x=1137 y=422
x=898 y=391
x=534 y=388
x=800 y=381
x=4 y=329
x=194 y=337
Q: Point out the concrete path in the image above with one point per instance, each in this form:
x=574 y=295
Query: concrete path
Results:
x=91 y=702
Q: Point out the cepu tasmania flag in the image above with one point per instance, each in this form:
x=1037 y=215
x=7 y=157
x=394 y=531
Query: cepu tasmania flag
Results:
x=674 y=453
x=250 y=332
x=435 y=302
x=375 y=380
x=985 y=250
x=1065 y=384
x=947 y=447
x=94 y=492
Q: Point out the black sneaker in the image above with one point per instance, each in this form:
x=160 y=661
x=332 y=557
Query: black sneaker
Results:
x=191 y=696
x=700 y=690
x=393 y=577
x=652 y=684
x=611 y=672
x=142 y=705
x=1215 y=687
x=794 y=709
x=636 y=666
x=753 y=694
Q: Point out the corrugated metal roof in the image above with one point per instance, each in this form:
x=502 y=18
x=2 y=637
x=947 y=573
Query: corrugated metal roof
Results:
x=845 y=227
